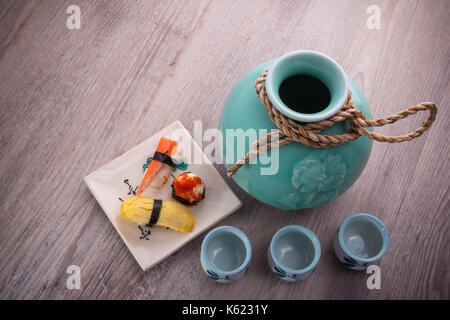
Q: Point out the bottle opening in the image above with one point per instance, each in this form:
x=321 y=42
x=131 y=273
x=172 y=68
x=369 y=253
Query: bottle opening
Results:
x=307 y=86
x=304 y=94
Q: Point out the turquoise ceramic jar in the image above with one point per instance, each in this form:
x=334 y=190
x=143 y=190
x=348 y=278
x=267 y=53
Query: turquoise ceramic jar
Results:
x=306 y=176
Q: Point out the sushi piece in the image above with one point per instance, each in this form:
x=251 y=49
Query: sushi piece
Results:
x=163 y=213
x=161 y=165
x=167 y=170
x=188 y=188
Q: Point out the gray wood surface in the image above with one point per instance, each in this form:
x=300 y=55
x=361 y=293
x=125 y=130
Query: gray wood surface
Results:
x=72 y=100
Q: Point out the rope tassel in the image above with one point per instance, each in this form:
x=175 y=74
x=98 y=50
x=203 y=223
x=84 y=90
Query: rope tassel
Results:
x=309 y=134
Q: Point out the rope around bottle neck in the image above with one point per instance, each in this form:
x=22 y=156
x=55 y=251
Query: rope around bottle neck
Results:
x=309 y=133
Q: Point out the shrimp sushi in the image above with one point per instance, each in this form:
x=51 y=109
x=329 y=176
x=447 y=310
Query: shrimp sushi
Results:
x=161 y=165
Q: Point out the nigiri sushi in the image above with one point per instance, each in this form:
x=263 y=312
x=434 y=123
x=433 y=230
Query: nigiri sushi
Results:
x=161 y=165
x=188 y=188
x=163 y=213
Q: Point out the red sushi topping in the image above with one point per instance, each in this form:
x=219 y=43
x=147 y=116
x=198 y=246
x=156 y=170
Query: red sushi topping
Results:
x=184 y=186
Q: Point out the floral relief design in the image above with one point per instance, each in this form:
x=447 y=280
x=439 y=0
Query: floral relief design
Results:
x=316 y=179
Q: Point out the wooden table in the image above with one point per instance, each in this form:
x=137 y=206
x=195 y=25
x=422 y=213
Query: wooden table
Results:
x=72 y=100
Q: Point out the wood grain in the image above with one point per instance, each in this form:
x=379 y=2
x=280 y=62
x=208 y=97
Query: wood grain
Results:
x=72 y=100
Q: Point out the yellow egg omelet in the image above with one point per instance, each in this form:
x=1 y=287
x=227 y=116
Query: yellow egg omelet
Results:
x=173 y=215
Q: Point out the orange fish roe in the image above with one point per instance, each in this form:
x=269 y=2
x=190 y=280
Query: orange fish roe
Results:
x=185 y=184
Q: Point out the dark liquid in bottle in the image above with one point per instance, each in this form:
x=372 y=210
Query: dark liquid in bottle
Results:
x=304 y=94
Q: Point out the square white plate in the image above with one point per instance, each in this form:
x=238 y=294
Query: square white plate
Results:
x=119 y=178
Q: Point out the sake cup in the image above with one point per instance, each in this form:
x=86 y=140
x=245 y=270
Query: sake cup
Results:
x=225 y=254
x=362 y=240
x=293 y=253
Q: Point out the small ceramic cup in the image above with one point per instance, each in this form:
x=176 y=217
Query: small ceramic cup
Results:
x=362 y=240
x=225 y=254
x=293 y=253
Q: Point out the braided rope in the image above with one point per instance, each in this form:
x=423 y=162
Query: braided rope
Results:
x=309 y=134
